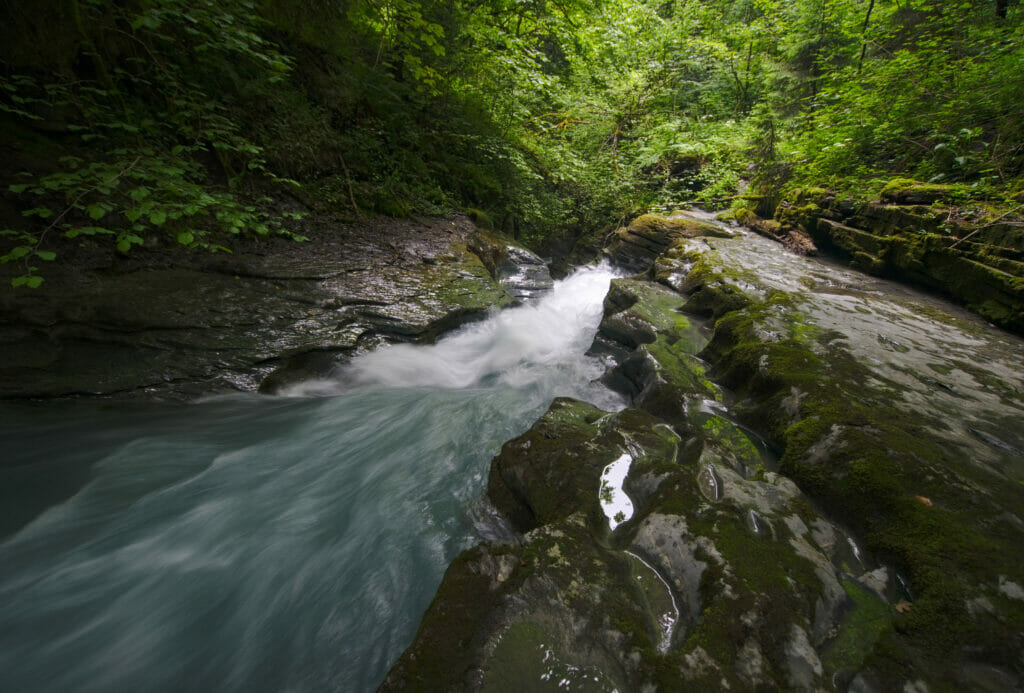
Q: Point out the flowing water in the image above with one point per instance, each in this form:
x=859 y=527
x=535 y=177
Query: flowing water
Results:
x=292 y=543
x=269 y=543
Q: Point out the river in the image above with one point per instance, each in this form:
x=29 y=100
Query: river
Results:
x=270 y=543
x=292 y=543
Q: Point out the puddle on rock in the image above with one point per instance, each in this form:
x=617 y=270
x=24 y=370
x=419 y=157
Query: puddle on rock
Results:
x=614 y=501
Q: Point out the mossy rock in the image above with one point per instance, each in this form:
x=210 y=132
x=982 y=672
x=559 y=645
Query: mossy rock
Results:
x=664 y=229
x=659 y=368
x=906 y=191
x=551 y=471
x=670 y=596
x=800 y=208
x=512 y=615
x=713 y=289
x=889 y=219
x=991 y=286
x=855 y=453
x=636 y=246
x=636 y=312
x=744 y=215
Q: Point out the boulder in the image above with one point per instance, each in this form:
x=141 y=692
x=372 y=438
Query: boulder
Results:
x=635 y=246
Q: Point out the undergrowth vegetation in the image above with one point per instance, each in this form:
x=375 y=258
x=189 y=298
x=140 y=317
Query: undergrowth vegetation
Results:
x=183 y=122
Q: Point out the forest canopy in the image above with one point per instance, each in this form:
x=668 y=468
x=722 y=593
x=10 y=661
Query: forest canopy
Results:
x=184 y=122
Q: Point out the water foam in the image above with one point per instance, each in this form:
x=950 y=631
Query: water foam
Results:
x=538 y=343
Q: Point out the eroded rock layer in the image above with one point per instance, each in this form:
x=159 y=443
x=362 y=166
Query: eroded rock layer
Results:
x=272 y=313
x=914 y=235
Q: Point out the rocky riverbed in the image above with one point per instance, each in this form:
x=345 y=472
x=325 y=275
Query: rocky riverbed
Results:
x=817 y=483
x=823 y=491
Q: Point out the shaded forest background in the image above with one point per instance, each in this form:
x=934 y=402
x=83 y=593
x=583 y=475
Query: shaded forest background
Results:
x=184 y=122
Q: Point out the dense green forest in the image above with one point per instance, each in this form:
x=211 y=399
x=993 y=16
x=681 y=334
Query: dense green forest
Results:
x=187 y=121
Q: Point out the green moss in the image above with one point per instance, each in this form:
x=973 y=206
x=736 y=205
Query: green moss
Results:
x=802 y=216
x=908 y=191
x=666 y=228
x=802 y=207
x=724 y=437
x=670 y=376
x=568 y=415
x=765 y=579
x=465 y=283
x=853 y=452
x=452 y=630
x=653 y=304
x=745 y=216
x=859 y=629
x=679 y=365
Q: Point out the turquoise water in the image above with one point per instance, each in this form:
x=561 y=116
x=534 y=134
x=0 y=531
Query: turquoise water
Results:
x=269 y=543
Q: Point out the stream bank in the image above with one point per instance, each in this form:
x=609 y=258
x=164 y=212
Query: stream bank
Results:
x=824 y=491
x=174 y=324
x=920 y=233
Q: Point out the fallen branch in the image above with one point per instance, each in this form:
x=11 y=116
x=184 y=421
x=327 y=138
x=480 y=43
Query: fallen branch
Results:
x=985 y=226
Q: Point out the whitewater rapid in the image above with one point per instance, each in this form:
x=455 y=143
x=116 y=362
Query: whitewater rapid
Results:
x=542 y=342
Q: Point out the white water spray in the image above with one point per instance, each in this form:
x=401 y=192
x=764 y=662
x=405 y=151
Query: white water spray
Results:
x=539 y=344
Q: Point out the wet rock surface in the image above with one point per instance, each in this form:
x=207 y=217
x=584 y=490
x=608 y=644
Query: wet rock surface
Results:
x=913 y=236
x=634 y=247
x=874 y=394
x=662 y=599
x=523 y=274
x=847 y=515
x=181 y=325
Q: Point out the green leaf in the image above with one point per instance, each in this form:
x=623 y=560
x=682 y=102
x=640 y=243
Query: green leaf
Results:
x=158 y=217
x=185 y=238
x=88 y=231
x=16 y=253
x=34 y=282
x=46 y=255
x=127 y=240
x=19 y=188
x=96 y=211
x=41 y=212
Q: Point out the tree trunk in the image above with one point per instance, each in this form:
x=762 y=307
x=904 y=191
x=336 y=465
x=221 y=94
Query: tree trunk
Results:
x=864 y=35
